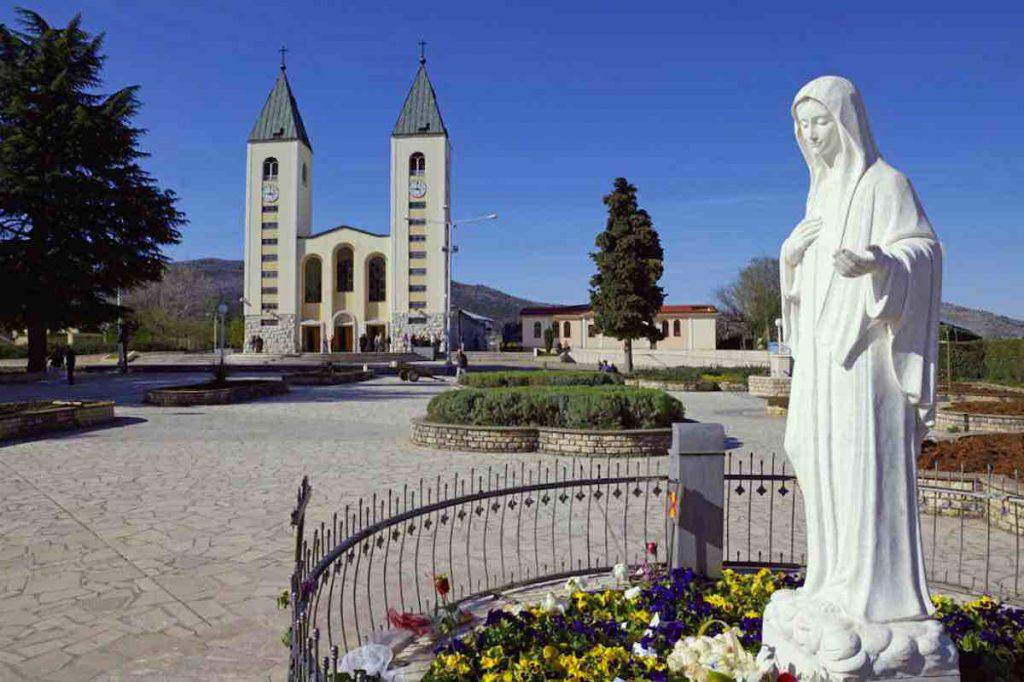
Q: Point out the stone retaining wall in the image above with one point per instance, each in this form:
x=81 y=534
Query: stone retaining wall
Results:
x=769 y=387
x=685 y=387
x=45 y=416
x=974 y=496
x=183 y=396
x=325 y=378
x=530 y=439
x=474 y=438
x=947 y=420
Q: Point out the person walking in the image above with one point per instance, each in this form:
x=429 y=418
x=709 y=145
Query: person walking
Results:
x=69 y=359
x=461 y=363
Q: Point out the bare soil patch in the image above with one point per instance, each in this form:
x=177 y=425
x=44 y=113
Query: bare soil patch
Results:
x=1012 y=408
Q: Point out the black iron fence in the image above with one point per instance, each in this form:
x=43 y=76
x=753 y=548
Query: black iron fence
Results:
x=493 y=530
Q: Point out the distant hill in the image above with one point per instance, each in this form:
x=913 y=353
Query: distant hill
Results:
x=210 y=280
x=983 y=323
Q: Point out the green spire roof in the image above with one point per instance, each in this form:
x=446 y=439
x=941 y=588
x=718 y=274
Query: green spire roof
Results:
x=280 y=119
x=420 y=115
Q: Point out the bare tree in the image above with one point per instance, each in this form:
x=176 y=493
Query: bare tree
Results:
x=751 y=304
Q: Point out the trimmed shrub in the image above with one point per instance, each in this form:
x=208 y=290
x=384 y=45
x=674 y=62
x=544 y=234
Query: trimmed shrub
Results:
x=684 y=375
x=1004 y=360
x=574 y=407
x=527 y=378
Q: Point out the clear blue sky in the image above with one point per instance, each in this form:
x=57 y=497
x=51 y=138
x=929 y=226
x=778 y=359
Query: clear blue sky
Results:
x=547 y=102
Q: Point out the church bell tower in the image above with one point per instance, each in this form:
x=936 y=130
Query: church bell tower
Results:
x=420 y=211
x=279 y=179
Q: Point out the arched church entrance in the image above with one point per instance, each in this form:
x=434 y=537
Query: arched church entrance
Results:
x=343 y=332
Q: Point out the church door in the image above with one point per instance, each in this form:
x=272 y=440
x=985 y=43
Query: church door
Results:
x=311 y=339
x=342 y=341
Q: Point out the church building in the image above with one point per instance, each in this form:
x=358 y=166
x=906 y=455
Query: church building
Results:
x=309 y=291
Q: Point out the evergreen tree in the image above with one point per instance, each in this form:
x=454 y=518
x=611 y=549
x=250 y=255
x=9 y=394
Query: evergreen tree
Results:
x=624 y=294
x=79 y=217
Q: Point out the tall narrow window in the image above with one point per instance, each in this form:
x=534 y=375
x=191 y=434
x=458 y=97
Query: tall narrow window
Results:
x=305 y=174
x=417 y=164
x=536 y=330
x=675 y=328
x=270 y=168
x=566 y=329
x=664 y=327
x=377 y=274
x=311 y=273
x=344 y=269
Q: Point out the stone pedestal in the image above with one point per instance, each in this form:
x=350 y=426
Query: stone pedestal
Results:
x=696 y=469
x=807 y=637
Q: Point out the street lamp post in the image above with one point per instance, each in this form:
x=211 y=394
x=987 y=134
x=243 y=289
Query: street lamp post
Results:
x=450 y=250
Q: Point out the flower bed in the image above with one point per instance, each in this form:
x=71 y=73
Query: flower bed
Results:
x=680 y=627
x=974 y=454
x=527 y=378
x=1001 y=416
x=20 y=420
x=215 y=392
x=567 y=407
x=698 y=378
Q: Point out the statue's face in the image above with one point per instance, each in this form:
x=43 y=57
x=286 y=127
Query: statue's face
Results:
x=819 y=129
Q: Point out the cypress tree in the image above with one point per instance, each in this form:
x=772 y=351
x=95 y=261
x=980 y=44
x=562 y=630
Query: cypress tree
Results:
x=79 y=217
x=624 y=293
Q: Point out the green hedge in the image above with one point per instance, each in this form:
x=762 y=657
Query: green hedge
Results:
x=528 y=378
x=1004 y=361
x=571 y=407
x=683 y=375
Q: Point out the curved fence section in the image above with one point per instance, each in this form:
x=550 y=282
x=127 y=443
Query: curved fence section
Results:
x=484 y=532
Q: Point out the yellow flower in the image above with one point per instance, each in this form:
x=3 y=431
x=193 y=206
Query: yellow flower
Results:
x=492 y=658
x=456 y=663
x=718 y=601
x=640 y=617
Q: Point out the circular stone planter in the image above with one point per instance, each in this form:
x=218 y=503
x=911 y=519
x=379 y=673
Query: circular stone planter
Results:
x=948 y=420
x=35 y=418
x=234 y=391
x=326 y=378
x=471 y=438
x=732 y=386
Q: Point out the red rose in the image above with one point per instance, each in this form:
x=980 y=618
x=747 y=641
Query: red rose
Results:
x=652 y=548
x=442 y=585
x=787 y=677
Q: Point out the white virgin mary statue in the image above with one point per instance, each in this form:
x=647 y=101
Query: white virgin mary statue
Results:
x=861 y=280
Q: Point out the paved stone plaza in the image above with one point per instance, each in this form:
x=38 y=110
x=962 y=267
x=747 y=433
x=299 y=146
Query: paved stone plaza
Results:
x=154 y=548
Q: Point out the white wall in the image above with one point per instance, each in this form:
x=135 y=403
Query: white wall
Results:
x=674 y=358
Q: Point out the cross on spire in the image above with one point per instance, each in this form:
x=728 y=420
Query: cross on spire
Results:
x=423 y=51
x=282 y=51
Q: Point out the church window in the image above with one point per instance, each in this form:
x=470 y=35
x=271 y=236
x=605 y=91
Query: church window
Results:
x=270 y=226
x=555 y=327
x=417 y=254
x=417 y=287
x=376 y=274
x=269 y=257
x=344 y=269
x=417 y=271
x=591 y=330
x=269 y=306
x=566 y=329
x=270 y=209
x=536 y=330
x=417 y=237
x=270 y=241
x=675 y=328
x=270 y=168
x=418 y=304
x=417 y=204
x=305 y=174
x=269 y=290
x=270 y=274
x=664 y=327
x=417 y=164
x=417 y=221
x=311 y=274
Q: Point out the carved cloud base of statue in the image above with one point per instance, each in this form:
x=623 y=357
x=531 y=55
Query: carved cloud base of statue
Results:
x=808 y=637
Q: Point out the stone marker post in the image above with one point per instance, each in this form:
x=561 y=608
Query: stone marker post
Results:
x=696 y=485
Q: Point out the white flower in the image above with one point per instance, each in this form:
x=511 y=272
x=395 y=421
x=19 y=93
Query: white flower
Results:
x=643 y=652
x=620 y=572
x=575 y=584
x=695 y=657
x=632 y=593
x=656 y=620
x=552 y=604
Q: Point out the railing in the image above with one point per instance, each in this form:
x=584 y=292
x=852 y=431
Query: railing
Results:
x=486 y=533
x=764 y=514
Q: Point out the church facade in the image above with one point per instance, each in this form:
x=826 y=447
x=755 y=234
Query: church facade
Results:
x=326 y=291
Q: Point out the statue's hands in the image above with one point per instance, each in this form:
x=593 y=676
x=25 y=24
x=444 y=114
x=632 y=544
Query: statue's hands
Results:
x=850 y=263
x=801 y=239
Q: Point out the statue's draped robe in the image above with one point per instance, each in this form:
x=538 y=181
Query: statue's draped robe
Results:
x=863 y=385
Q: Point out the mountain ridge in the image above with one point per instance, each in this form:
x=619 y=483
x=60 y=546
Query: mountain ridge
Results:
x=220 y=279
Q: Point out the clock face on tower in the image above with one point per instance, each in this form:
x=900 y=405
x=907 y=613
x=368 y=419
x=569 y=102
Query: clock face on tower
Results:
x=269 y=193
x=417 y=189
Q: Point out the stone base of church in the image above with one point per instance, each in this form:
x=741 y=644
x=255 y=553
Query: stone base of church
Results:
x=808 y=637
x=277 y=338
x=418 y=324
